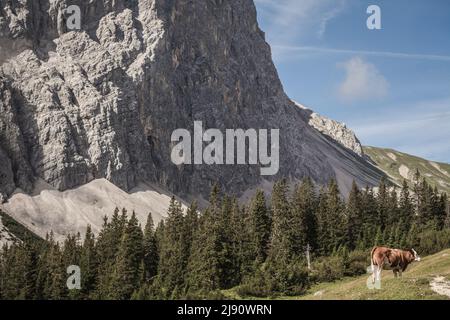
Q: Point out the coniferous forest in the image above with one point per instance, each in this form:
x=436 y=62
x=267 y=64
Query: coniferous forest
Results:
x=259 y=247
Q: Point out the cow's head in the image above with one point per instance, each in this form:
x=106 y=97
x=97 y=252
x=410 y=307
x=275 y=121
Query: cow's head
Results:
x=415 y=255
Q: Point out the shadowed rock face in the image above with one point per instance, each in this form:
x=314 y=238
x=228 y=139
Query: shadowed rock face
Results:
x=103 y=102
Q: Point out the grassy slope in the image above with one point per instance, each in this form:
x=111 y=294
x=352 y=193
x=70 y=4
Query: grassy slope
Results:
x=415 y=284
x=390 y=161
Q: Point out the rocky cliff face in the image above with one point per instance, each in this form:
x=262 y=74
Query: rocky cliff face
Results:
x=103 y=102
x=335 y=130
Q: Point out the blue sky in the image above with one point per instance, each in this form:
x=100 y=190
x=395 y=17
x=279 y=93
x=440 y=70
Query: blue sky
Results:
x=392 y=86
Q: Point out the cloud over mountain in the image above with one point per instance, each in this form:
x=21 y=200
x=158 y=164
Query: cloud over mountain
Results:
x=363 y=81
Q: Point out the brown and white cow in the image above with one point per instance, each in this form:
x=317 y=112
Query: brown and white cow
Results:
x=391 y=259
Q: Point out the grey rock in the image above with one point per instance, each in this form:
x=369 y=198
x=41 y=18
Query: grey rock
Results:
x=335 y=130
x=103 y=102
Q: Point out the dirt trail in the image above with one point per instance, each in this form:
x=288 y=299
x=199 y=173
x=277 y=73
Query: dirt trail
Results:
x=441 y=286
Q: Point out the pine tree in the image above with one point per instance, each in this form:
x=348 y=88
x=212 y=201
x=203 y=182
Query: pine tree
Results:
x=281 y=246
x=259 y=227
x=43 y=276
x=214 y=262
x=379 y=239
x=88 y=264
x=150 y=250
x=446 y=206
x=417 y=190
x=324 y=239
x=56 y=286
x=127 y=271
x=285 y=269
x=106 y=251
x=393 y=216
x=383 y=201
x=243 y=241
x=18 y=271
x=439 y=209
x=354 y=216
x=335 y=215
x=190 y=227
x=107 y=247
x=71 y=252
x=203 y=265
x=227 y=257
x=172 y=263
x=370 y=213
x=425 y=205
x=406 y=208
x=304 y=207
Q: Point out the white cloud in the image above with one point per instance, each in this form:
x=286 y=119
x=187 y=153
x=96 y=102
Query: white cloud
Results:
x=362 y=81
x=288 y=21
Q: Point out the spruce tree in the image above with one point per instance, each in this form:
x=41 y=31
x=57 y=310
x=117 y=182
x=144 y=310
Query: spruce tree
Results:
x=335 y=215
x=383 y=202
x=227 y=257
x=370 y=213
x=107 y=247
x=354 y=215
x=71 y=252
x=259 y=226
x=150 y=250
x=281 y=247
x=205 y=267
x=88 y=264
x=127 y=271
x=56 y=286
x=172 y=264
x=393 y=216
x=324 y=238
x=406 y=208
x=304 y=206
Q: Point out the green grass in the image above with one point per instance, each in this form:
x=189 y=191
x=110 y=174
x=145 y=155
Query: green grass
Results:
x=390 y=161
x=415 y=284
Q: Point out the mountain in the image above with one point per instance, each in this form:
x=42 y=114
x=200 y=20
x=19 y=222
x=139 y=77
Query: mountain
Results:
x=101 y=103
x=399 y=166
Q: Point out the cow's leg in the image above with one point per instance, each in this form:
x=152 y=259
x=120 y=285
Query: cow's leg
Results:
x=395 y=273
x=379 y=271
x=400 y=273
x=374 y=273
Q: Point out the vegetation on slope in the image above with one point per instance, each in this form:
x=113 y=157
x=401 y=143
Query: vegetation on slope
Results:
x=399 y=166
x=414 y=285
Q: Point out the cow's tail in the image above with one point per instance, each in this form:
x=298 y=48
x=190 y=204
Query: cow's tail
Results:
x=372 y=266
